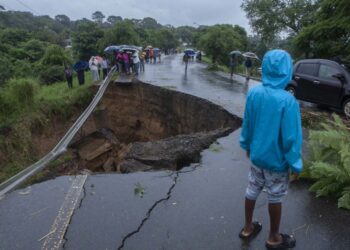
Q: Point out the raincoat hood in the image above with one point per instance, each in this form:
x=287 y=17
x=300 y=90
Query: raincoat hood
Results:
x=277 y=69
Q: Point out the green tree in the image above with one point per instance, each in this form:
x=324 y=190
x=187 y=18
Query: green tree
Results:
x=122 y=33
x=149 y=23
x=98 y=17
x=52 y=64
x=114 y=19
x=269 y=18
x=63 y=19
x=165 y=39
x=35 y=49
x=85 y=40
x=186 y=34
x=218 y=40
x=329 y=36
x=5 y=70
x=13 y=36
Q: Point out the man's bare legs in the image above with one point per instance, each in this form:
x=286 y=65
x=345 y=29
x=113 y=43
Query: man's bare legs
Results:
x=249 y=210
x=275 y=211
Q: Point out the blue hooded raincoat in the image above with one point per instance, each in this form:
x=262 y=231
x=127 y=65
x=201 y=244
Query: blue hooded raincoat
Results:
x=271 y=129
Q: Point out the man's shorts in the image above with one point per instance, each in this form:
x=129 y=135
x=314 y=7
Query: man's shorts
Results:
x=276 y=184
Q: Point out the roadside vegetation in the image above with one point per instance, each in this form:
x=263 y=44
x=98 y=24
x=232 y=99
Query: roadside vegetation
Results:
x=304 y=28
x=329 y=161
x=26 y=107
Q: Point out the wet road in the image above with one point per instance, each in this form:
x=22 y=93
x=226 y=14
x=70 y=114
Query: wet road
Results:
x=198 y=207
x=213 y=86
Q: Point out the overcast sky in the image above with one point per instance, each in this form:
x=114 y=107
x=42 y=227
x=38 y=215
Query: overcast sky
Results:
x=174 y=12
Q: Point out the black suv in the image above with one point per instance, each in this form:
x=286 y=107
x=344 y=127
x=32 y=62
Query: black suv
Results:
x=322 y=82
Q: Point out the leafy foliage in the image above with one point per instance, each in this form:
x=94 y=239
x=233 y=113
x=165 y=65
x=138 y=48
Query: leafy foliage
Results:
x=98 y=17
x=271 y=17
x=329 y=35
x=114 y=19
x=122 y=33
x=139 y=190
x=85 y=39
x=329 y=163
x=52 y=64
x=218 y=40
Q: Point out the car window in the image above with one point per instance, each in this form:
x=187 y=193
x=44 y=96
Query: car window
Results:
x=327 y=71
x=308 y=69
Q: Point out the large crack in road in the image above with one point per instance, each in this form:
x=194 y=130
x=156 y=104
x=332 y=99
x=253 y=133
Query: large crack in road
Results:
x=149 y=212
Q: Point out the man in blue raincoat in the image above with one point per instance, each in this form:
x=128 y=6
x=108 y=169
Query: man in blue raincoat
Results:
x=272 y=136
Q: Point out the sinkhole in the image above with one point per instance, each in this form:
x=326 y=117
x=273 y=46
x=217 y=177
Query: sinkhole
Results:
x=142 y=127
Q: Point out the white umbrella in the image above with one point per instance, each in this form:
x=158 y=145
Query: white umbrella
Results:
x=250 y=55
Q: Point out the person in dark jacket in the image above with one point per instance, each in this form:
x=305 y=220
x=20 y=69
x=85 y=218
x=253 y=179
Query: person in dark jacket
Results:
x=248 y=67
x=80 y=68
x=68 y=74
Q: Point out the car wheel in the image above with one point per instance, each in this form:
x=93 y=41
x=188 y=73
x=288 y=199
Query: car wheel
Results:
x=291 y=90
x=346 y=108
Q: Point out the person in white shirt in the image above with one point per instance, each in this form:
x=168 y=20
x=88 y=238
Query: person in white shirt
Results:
x=93 y=65
x=136 y=62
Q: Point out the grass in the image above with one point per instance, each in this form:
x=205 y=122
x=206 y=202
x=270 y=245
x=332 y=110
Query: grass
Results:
x=57 y=99
x=26 y=106
x=51 y=170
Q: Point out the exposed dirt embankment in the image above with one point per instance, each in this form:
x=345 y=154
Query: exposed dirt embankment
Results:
x=139 y=126
x=143 y=112
x=136 y=127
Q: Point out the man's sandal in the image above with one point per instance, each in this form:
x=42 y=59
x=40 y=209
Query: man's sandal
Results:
x=288 y=241
x=257 y=228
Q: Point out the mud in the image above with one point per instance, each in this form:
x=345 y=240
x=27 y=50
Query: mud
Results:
x=141 y=127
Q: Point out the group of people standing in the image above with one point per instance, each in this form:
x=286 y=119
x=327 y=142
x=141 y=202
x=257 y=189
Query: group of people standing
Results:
x=152 y=55
x=130 y=62
x=133 y=61
x=96 y=64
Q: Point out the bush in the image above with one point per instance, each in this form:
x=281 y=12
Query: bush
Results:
x=5 y=70
x=21 y=92
x=329 y=163
x=55 y=55
x=51 y=74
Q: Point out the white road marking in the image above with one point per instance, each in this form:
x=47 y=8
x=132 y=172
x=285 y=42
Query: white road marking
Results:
x=54 y=238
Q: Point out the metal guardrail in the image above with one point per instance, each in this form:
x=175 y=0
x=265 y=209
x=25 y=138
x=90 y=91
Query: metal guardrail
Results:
x=61 y=146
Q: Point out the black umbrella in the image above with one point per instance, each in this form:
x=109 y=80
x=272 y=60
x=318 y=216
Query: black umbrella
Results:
x=81 y=65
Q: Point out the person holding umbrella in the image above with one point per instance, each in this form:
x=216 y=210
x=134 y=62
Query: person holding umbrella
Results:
x=185 y=59
x=233 y=58
x=80 y=68
x=151 y=54
x=248 y=62
x=248 y=67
